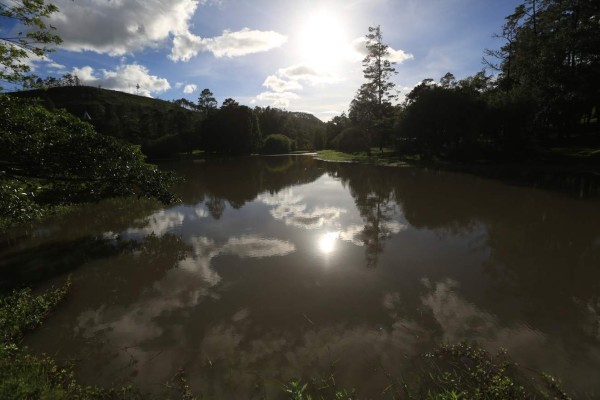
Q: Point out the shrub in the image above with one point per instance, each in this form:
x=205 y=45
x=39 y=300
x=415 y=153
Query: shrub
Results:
x=277 y=144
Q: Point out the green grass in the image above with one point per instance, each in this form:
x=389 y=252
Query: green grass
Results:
x=387 y=157
x=574 y=153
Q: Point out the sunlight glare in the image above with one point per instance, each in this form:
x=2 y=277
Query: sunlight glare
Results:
x=327 y=242
x=322 y=40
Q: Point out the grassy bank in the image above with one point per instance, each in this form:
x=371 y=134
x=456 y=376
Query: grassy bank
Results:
x=571 y=170
x=386 y=157
x=450 y=372
x=580 y=158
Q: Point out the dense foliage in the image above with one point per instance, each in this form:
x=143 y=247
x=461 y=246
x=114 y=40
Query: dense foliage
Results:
x=34 y=39
x=162 y=128
x=546 y=92
x=231 y=130
x=306 y=130
x=52 y=158
x=277 y=144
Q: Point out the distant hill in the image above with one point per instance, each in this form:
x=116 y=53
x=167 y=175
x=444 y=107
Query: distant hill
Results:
x=161 y=127
x=307 y=131
x=136 y=119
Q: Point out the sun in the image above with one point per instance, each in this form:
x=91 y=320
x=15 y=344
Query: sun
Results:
x=322 y=40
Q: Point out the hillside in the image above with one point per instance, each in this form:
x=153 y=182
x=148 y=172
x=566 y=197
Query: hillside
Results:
x=136 y=119
x=161 y=127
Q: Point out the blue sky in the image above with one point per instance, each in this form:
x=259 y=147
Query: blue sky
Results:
x=301 y=55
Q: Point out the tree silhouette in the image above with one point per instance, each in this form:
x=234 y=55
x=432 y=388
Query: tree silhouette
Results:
x=207 y=101
x=372 y=108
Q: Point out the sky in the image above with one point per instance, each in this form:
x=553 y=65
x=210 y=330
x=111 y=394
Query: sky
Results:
x=299 y=55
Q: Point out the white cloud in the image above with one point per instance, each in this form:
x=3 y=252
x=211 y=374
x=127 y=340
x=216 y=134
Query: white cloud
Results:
x=120 y=27
x=291 y=209
x=191 y=88
x=278 y=99
x=288 y=79
x=124 y=78
x=360 y=51
x=158 y=224
x=279 y=85
x=229 y=44
x=302 y=72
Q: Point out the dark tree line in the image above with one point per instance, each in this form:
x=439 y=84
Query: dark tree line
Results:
x=544 y=89
x=164 y=129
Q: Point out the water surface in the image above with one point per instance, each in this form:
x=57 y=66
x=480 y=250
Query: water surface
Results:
x=282 y=267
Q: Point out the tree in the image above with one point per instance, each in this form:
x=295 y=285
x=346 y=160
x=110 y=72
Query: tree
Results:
x=185 y=103
x=335 y=127
x=50 y=158
x=378 y=69
x=53 y=158
x=551 y=53
x=372 y=106
x=277 y=144
x=207 y=101
x=232 y=130
x=34 y=40
x=229 y=102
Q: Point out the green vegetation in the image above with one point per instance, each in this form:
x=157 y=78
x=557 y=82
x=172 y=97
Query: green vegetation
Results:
x=162 y=128
x=386 y=156
x=16 y=48
x=305 y=130
x=450 y=372
x=545 y=94
x=232 y=129
x=277 y=144
x=50 y=159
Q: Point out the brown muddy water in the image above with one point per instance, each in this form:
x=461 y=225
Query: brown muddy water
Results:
x=275 y=268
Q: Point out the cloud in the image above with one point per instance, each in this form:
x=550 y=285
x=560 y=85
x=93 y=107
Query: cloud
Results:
x=279 y=85
x=288 y=79
x=124 y=78
x=281 y=99
x=302 y=72
x=123 y=27
x=360 y=52
x=191 y=88
x=229 y=44
x=158 y=223
x=120 y=27
x=291 y=209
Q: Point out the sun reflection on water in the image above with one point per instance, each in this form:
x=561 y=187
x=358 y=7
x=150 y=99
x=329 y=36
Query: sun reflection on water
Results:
x=327 y=242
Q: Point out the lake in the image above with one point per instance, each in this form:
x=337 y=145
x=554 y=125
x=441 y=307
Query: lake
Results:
x=273 y=268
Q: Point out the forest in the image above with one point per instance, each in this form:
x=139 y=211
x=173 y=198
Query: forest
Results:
x=540 y=88
x=166 y=128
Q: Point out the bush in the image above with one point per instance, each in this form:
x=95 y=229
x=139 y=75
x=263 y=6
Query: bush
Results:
x=164 y=146
x=277 y=144
x=351 y=140
x=53 y=158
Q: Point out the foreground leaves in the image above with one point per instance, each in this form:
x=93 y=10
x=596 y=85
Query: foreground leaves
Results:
x=53 y=158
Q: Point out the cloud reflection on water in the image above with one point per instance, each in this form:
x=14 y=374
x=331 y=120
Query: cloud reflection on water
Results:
x=290 y=209
x=180 y=288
